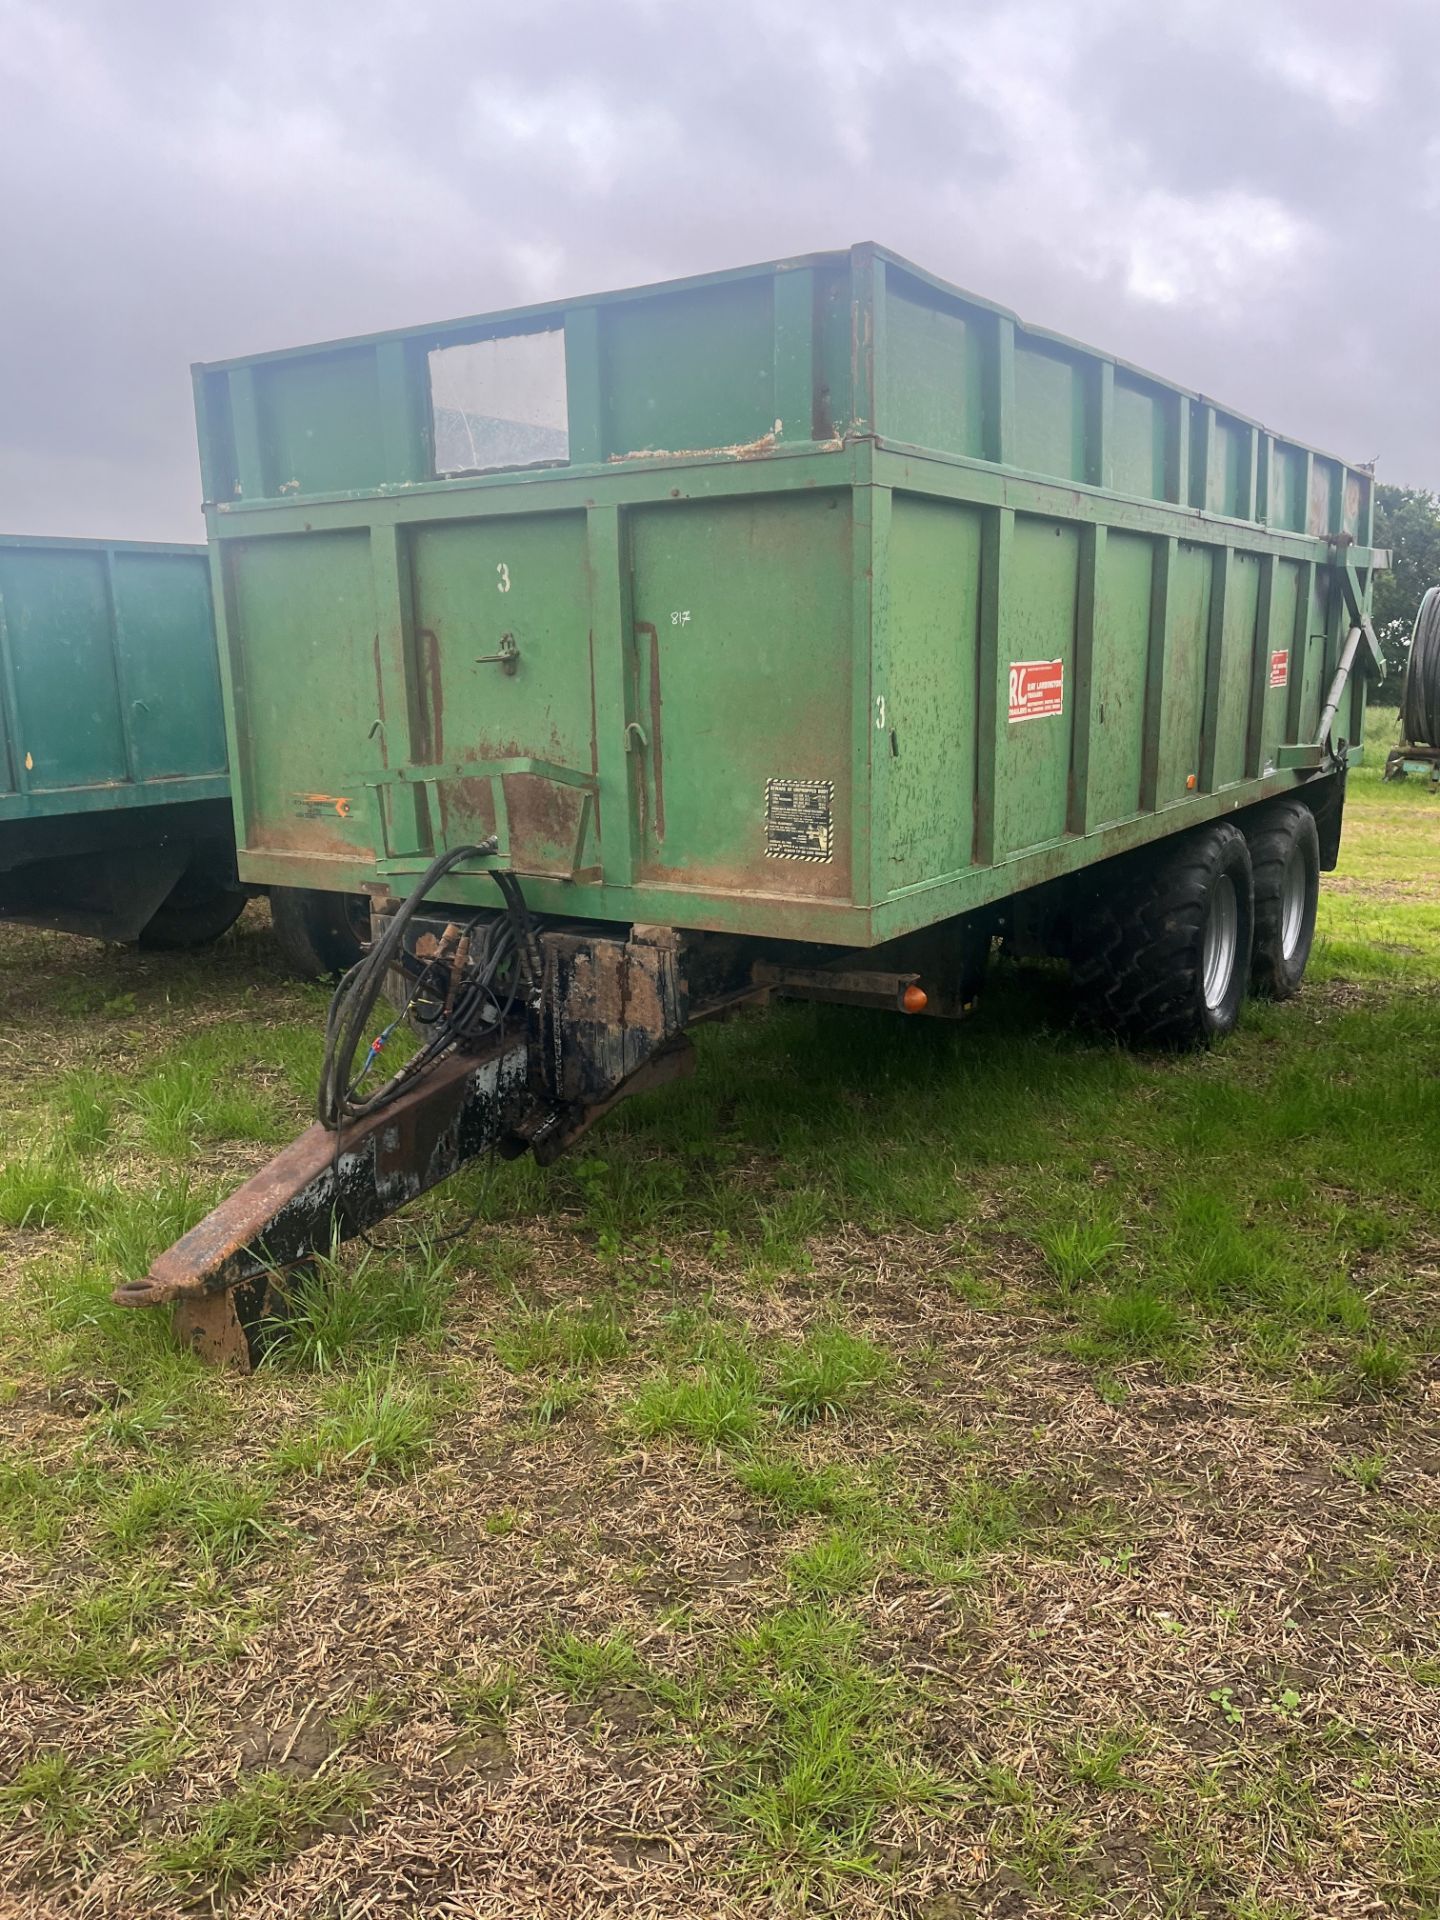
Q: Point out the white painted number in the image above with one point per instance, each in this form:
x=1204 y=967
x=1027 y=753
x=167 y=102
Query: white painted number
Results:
x=503 y=583
x=680 y=619
x=879 y=713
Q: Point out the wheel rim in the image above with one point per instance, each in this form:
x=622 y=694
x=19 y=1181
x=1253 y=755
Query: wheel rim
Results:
x=1292 y=901
x=1222 y=938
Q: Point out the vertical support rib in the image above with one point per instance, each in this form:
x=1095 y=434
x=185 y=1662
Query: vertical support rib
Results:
x=1085 y=706
x=1264 y=478
x=992 y=704
x=883 y=742
x=1156 y=664
x=611 y=643
x=1177 y=462
x=1299 y=650
x=1214 y=667
x=1202 y=457
x=1262 y=642
x=402 y=713
x=1000 y=408
x=868 y=715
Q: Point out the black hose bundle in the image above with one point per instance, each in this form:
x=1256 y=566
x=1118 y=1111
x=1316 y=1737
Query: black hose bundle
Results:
x=1420 y=696
x=473 y=994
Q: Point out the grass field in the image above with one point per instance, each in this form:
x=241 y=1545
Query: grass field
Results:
x=902 y=1470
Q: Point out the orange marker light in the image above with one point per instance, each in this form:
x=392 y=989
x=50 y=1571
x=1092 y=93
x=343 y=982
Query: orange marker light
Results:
x=914 y=999
x=1191 y=783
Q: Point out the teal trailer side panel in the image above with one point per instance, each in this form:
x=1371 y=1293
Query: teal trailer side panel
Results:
x=172 y=681
x=109 y=681
x=69 y=730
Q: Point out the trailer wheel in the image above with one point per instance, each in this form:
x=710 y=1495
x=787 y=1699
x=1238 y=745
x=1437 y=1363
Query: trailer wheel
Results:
x=1162 y=955
x=319 y=933
x=195 y=912
x=1285 y=858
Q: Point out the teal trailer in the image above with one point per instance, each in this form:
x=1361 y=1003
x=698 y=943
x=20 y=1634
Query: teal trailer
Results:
x=115 y=806
x=799 y=629
x=114 y=788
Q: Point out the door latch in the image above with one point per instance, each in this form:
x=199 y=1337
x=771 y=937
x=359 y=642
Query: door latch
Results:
x=507 y=659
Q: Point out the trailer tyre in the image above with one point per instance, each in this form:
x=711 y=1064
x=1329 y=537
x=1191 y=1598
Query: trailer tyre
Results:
x=1285 y=858
x=1162 y=956
x=319 y=933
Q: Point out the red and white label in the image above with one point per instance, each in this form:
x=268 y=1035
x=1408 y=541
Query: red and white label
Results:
x=1037 y=687
x=1280 y=667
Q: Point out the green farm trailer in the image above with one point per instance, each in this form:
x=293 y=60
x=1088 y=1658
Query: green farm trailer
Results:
x=795 y=630
x=115 y=816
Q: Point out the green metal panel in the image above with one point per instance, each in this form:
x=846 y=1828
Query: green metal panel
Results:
x=693 y=369
x=740 y=690
x=1037 y=626
x=936 y=391
x=307 y=689
x=109 y=686
x=819 y=599
x=474 y=584
x=1138 y=460
x=930 y=649
x=1117 y=732
x=1049 y=414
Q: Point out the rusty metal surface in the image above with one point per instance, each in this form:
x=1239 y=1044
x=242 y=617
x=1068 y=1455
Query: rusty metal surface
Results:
x=323 y=1186
x=225 y=1329
x=606 y=1007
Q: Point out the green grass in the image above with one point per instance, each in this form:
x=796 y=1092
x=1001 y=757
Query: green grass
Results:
x=484 y=1696
x=377 y=1424
x=585 y=1668
x=358 y=1310
x=840 y=1562
x=52 y=1790
x=722 y=1391
x=827 y=1375
x=880 y=1433
x=219 y=1517
x=830 y=1755
x=559 y=1337
x=267 y=1819
x=795 y=1490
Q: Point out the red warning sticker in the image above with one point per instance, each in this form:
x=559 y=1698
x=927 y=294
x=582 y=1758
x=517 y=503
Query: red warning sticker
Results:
x=1037 y=687
x=1280 y=667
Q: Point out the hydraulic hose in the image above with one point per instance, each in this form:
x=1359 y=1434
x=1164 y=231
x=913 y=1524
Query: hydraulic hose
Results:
x=353 y=1004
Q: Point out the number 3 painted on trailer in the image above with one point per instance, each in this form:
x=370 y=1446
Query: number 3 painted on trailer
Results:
x=502 y=585
x=879 y=713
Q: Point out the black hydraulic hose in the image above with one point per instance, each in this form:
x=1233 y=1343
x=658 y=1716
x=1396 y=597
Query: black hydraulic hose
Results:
x=1420 y=696
x=347 y=1024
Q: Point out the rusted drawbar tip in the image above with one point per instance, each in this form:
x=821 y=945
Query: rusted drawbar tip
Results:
x=322 y=1189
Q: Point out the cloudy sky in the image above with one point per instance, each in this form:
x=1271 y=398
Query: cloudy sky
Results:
x=1240 y=194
